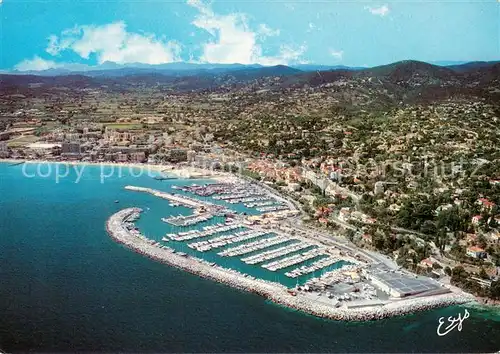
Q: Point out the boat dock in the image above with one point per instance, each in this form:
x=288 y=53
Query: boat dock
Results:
x=262 y=203
x=279 y=252
x=189 y=220
x=248 y=194
x=224 y=240
x=206 y=232
x=321 y=264
x=174 y=198
x=253 y=246
x=296 y=259
x=272 y=208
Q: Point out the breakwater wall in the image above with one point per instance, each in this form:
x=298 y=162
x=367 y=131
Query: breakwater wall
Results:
x=275 y=292
x=183 y=200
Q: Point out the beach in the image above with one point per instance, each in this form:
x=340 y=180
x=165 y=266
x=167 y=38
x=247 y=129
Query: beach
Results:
x=188 y=172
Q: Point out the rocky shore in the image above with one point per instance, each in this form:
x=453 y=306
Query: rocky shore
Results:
x=275 y=292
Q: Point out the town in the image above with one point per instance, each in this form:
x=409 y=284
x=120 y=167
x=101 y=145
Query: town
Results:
x=394 y=164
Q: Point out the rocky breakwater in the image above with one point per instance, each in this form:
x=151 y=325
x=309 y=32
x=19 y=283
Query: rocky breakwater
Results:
x=183 y=200
x=117 y=227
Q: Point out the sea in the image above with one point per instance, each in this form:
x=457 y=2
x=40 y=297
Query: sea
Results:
x=66 y=286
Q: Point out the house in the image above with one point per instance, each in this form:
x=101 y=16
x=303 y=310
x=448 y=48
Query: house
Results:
x=139 y=156
x=426 y=263
x=370 y=220
x=323 y=221
x=120 y=157
x=485 y=203
x=476 y=252
x=344 y=214
x=476 y=219
x=495 y=182
x=367 y=238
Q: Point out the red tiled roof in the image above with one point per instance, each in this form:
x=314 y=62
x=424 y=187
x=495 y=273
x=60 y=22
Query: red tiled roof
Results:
x=475 y=249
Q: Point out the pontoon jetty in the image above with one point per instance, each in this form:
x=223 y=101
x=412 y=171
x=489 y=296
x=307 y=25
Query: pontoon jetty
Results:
x=358 y=304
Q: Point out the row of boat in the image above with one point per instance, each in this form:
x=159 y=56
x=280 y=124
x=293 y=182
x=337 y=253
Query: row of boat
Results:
x=207 y=189
x=248 y=199
x=272 y=208
x=224 y=240
x=205 y=232
x=322 y=263
x=238 y=196
x=253 y=246
x=275 y=253
x=189 y=220
x=295 y=259
x=260 y=204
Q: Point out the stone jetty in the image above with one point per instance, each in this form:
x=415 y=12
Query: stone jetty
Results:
x=118 y=227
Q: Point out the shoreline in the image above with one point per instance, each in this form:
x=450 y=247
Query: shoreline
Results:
x=274 y=292
x=181 y=172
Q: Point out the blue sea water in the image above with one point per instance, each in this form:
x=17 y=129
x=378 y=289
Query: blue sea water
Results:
x=65 y=286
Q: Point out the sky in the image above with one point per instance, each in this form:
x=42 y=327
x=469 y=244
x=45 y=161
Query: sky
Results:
x=45 y=34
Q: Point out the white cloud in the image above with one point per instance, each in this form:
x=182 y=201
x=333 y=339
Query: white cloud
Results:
x=337 y=54
x=235 y=42
x=36 y=64
x=378 y=11
x=267 y=31
x=113 y=43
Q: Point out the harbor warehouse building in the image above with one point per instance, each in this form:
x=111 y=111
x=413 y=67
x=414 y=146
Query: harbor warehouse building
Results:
x=397 y=284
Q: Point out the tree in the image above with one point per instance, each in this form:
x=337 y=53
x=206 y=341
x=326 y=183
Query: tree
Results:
x=483 y=274
x=447 y=270
x=481 y=241
x=458 y=274
x=495 y=290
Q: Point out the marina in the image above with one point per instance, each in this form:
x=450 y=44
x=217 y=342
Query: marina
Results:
x=189 y=220
x=321 y=264
x=239 y=193
x=253 y=246
x=224 y=240
x=207 y=231
x=120 y=228
x=296 y=259
x=319 y=274
x=275 y=253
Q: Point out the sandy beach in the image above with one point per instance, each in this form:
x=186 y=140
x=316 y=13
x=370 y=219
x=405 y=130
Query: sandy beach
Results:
x=187 y=172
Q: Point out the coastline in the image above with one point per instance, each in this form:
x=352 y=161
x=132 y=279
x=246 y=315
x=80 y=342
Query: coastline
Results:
x=274 y=292
x=187 y=172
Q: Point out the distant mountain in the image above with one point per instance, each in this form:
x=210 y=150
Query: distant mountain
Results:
x=180 y=69
x=312 y=67
x=130 y=78
x=473 y=65
x=109 y=69
x=409 y=69
x=406 y=80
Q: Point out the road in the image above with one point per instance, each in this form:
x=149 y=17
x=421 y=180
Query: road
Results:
x=327 y=238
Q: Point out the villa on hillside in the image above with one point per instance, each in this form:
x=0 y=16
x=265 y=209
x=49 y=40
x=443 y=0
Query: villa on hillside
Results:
x=476 y=252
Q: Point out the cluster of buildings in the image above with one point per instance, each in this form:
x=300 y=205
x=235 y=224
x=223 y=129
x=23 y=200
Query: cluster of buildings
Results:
x=346 y=215
x=277 y=171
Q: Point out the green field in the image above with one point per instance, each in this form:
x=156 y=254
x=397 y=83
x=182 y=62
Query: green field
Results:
x=21 y=141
